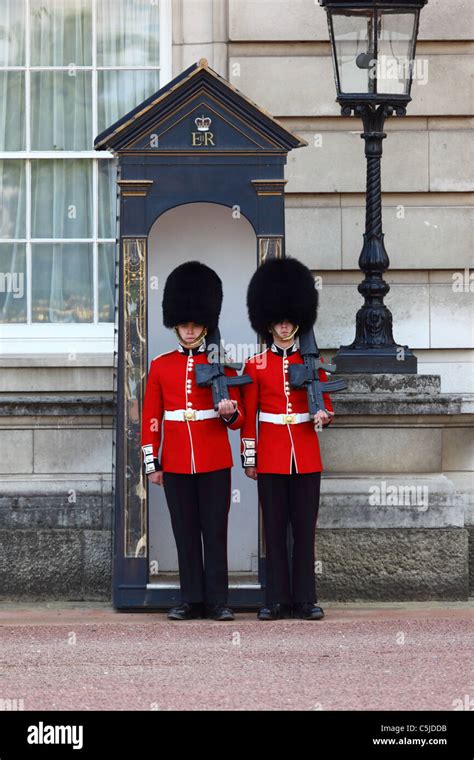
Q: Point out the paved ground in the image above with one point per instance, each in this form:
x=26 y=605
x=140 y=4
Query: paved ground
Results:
x=362 y=656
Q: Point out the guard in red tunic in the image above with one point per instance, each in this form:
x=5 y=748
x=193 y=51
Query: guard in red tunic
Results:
x=179 y=415
x=283 y=454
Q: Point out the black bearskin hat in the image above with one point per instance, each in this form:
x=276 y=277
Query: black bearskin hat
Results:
x=282 y=289
x=192 y=293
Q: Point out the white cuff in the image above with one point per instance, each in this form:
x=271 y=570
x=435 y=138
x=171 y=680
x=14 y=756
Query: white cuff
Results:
x=249 y=458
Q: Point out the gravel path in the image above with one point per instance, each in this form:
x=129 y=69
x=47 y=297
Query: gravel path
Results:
x=376 y=657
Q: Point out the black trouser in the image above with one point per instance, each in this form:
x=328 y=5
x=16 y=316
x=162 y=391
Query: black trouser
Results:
x=199 y=505
x=290 y=499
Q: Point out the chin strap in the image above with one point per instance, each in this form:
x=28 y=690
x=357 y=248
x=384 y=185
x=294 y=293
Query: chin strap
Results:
x=290 y=337
x=194 y=343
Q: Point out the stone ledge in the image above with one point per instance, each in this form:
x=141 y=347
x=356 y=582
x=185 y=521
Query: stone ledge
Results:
x=54 y=485
x=388 y=383
x=44 y=513
x=44 y=502
x=61 y=506
x=366 y=395
x=58 y=360
x=398 y=404
x=345 y=502
x=14 y=405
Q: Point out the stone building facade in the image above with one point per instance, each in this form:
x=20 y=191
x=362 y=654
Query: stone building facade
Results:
x=397 y=517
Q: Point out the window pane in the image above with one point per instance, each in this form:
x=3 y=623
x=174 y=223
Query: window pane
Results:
x=107 y=282
x=62 y=282
x=61 y=198
x=107 y=198
x=61 y=110
x=12 y=193
x=120 y=91
x=12 y=110
x=12 y=33
x=354 y=36
x=395 y=46
x=61 y=32
x=128 y=33
x=12 y=282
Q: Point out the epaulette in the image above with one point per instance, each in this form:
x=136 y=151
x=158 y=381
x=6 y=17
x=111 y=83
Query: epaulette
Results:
x=164 y=354
x=260 y=353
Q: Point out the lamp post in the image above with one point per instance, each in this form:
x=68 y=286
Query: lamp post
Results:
x=373 y=49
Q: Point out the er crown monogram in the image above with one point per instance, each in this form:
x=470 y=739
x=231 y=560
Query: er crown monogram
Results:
x=203 y=123
x=202 y=138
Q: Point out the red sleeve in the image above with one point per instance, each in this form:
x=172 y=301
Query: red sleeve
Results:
x=248 y=433
x=152 y=416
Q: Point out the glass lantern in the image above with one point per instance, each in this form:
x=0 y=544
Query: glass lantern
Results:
x=373 y=46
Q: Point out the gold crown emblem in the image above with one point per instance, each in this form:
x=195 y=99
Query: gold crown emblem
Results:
x=203 y=123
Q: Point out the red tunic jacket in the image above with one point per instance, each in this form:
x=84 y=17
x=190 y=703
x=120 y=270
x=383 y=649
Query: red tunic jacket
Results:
x=270 y=392
x=190 y=446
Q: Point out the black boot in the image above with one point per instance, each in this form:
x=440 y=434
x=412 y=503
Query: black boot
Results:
x=187 y=611
x=219 y=612
x=274 y=612
x=308 y=611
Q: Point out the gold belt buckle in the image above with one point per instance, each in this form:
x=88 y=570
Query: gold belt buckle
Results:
x=190 y=414
x=289 y=419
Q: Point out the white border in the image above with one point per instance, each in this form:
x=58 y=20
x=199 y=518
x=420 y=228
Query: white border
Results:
x=68 y=338
x=166 y=41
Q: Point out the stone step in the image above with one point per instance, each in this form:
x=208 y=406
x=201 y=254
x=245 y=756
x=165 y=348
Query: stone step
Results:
x=389 y=384
x=412 y=500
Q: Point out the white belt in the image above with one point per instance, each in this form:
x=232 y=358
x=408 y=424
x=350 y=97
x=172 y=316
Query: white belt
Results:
x=190 y=415
x=284 y=419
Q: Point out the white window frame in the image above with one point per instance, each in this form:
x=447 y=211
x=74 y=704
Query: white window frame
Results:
x=70 y=338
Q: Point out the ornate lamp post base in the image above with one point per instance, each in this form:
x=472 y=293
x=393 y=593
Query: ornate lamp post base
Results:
x=397 y=360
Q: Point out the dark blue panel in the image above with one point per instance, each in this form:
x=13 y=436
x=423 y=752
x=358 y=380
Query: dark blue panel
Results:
x=236 y=159
x=203 y=124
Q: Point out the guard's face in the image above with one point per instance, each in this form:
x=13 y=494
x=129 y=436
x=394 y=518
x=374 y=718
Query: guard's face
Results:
x=189 y=331
x=283 y=329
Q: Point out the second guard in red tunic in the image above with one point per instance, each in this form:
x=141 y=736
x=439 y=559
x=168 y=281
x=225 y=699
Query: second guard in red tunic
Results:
x=280 y=447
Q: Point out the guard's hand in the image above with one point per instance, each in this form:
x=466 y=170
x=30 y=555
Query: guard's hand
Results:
x=156 y=478
x=226 y=407
x=320 y=419
x=251 y=472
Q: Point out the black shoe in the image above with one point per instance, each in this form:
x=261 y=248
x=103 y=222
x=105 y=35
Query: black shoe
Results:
x=186 y=611
x=274 y=612
x=220 y=612
x=308 y=611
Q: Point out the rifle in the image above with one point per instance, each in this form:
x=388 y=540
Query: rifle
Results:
x=307 y=375
x=213 y=373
